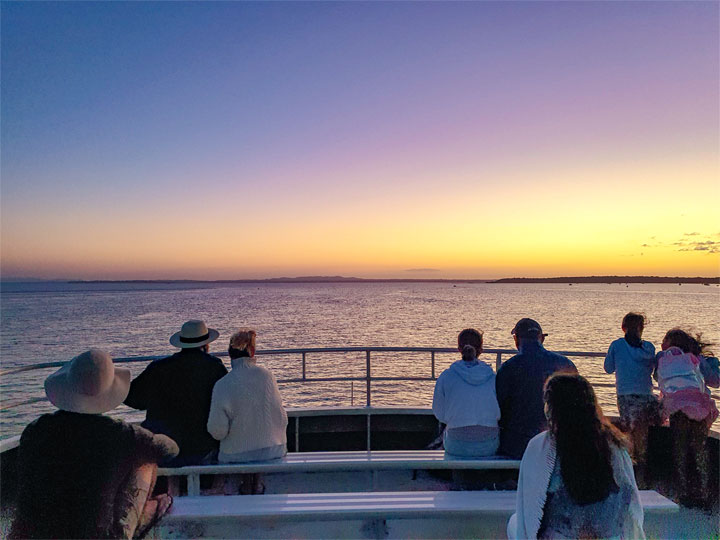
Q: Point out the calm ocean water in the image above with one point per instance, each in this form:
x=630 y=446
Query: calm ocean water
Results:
x=44 y=322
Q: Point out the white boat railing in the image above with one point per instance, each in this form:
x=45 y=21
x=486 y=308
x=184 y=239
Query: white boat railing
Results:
x=367 y=378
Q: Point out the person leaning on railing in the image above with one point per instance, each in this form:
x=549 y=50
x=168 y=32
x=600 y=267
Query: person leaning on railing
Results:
x=246 y=413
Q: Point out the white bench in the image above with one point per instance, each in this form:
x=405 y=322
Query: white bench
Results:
x=374 y=460
x=417 y=514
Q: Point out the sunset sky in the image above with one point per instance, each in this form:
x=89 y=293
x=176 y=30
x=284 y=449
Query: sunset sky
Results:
x=439 y=140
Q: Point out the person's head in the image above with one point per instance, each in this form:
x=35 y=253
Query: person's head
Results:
x=242 y=343
x=633 y=324
x=527 y=330
x=582 y=435
x=194 y=334
x=470 y=342
x=683 y=340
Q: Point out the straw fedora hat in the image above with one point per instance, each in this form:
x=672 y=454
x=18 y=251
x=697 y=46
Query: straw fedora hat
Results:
x=193 y=333
x=90 y=383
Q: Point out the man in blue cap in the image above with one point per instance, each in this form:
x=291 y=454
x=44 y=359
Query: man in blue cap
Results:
x=519 y=387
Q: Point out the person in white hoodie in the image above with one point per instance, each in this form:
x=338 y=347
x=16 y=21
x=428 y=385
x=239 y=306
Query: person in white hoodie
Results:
x=246 y=412
x=465 y=400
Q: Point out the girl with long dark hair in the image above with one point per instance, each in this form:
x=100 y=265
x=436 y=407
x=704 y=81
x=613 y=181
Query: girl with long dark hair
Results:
x=576 y=479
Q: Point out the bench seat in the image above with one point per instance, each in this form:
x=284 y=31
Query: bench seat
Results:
x=374 y=460
x=428 y=514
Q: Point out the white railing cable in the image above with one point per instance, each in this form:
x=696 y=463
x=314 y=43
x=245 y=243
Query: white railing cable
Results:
x=367 y=378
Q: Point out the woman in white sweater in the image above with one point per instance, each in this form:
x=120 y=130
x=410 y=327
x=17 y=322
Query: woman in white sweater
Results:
x=246 y=413
x=465 y=400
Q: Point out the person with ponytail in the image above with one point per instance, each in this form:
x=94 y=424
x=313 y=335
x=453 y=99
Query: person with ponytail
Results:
x=633 y=360
x=464 y=400
x=576 y=479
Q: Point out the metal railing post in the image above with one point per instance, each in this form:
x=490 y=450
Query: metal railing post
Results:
x=498 y=361
x=368 y=427
x=367 y=378
x=193 y=484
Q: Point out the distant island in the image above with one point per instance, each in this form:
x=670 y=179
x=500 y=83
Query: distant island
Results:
x=612 y=279
x=343 y=279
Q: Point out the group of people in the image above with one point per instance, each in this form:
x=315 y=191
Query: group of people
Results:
x=683 y=369
x=576 y=475
x=87 y=475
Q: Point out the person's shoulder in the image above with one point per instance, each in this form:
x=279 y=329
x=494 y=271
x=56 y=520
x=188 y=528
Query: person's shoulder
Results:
x=39 y=424
x=648 y=347
x=617 y=343
x=539 y=441
x=212 y=359
x=161 y=363
x=560 y=359
x=512 y=363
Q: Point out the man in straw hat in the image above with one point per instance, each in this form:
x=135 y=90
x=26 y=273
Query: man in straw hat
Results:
x=176 y=391
x=82 y=474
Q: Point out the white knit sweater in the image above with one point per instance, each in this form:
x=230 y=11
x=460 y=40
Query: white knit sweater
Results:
x=536 y=469
x=247 y=415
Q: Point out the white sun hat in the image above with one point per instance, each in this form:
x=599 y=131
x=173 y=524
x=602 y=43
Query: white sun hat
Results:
x=90 y=383
x=193 y=333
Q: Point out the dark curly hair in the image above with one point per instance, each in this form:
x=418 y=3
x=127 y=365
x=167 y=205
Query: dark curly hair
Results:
x=677 y=337
x=583 y=437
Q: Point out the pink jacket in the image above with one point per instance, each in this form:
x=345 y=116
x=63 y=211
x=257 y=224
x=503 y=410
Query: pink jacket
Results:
x=682 y=385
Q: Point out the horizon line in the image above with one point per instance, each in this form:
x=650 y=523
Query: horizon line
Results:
x=353 y=279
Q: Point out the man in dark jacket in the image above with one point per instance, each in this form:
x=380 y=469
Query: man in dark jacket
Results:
x=519 y=388
x=176 y=393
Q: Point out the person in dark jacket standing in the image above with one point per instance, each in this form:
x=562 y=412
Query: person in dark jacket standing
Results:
x=519 y=387
x=176 y=392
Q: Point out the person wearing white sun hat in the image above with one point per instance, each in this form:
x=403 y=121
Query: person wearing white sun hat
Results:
x=176 y=391
x=86 y=475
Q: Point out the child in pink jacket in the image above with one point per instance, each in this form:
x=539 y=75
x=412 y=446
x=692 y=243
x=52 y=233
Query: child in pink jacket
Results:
x=687 y=403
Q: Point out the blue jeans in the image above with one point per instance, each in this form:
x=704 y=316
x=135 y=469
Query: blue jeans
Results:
x=487 y=447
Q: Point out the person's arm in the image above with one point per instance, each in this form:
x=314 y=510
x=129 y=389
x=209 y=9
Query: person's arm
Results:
x=502 y=392
x=140 y=389
x=610 y=360
x=438 y=405
x=710 y=369
x=149 y=447
x=657 y=364
x=278 y=396
x=218 y=424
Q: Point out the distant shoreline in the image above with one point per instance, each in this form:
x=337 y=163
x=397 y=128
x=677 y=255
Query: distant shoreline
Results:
x=341 y=279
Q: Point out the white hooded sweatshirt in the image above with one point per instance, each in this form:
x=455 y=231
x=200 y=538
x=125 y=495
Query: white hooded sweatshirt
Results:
x=465 y=395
